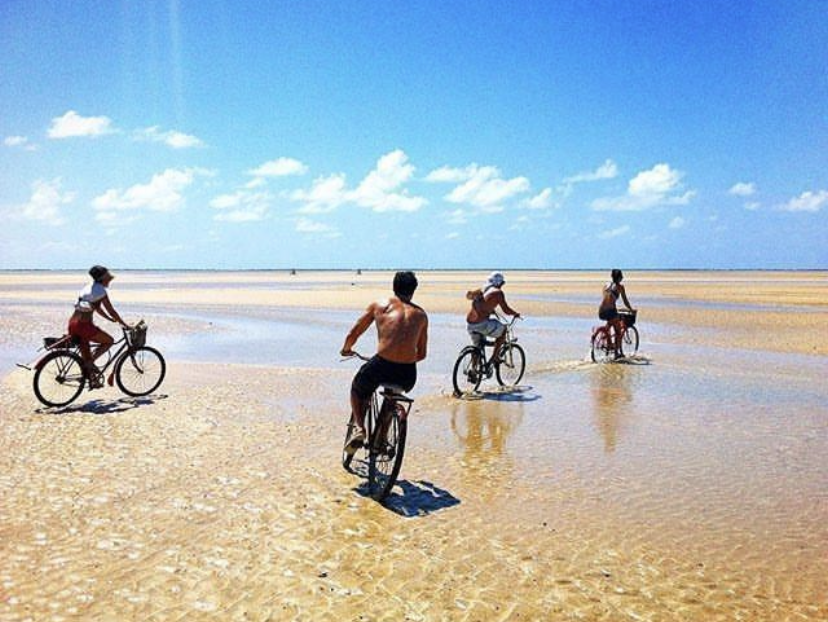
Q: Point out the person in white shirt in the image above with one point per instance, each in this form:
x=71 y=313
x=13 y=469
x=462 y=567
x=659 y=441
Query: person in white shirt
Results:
x=93 y=298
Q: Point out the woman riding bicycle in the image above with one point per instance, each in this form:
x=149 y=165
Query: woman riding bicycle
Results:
x=608 y=310
x=90 y=300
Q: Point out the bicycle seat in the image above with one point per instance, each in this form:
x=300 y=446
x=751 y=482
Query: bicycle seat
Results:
x=396 y=392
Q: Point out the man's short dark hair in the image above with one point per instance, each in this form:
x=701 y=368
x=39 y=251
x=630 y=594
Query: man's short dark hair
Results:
x=405 y=283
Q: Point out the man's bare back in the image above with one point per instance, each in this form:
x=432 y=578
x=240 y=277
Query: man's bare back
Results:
x=401 y=330
x=483 y=305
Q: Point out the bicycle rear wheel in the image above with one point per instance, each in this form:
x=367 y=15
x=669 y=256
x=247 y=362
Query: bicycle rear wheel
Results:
x=629 y=344
x=467 y=373
x=385 y=456
x=511 y=365
x=59 y=378
x=601 y=350
x=140 y=371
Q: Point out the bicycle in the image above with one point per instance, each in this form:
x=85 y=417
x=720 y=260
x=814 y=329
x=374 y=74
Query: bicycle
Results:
x=385 y=432
x=61 y=374
x=602 y=344
x=471 y=365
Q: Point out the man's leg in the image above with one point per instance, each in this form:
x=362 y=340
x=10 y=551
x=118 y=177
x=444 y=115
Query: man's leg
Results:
x=104 y=341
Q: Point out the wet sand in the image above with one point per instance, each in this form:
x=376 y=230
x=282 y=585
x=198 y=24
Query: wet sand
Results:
x=688 y=483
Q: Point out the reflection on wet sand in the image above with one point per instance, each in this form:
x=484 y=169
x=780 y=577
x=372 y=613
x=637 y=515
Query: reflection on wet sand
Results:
x=612 y=398
x=482 y=428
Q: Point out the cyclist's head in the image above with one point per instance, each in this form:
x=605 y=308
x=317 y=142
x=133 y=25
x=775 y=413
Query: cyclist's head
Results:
x=100 y=274
x=496 y=279
x=617 y=276
x=405 y=283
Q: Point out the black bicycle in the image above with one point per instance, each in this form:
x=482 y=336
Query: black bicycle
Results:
x=472 y=367
x=380 y=457
x=61 y=374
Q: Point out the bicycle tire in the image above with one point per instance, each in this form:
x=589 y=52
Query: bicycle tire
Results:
x=600 y=350
x=144 y=375
x=511 y=365
x=467 y=374
x=380 y=484
x=629 y=344
x=59 y=379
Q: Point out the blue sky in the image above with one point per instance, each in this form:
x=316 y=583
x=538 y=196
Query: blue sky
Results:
x=174 y=134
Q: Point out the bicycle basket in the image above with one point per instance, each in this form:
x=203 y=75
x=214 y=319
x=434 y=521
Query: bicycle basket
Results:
x=138 y=335
x=628 y=317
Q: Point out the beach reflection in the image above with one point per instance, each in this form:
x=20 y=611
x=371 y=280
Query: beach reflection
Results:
x=482 y=429
x=612 y=398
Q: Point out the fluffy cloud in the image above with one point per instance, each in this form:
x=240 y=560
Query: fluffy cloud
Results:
x=807 y=202
x=608 y=170
x=46 y=201
x=542 y=200
x=677 y=223
x=172 y=138
x=163 y=193
x=742 y=189
x=659 y=185
x=325 y=195
x=281 y=167
x=480 y=186
x=381 y=190
x=19 y=141
x=241 y=206
x=72 y=124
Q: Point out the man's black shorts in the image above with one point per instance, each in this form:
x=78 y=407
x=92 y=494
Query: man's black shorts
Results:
x=607 y=314
x=378 y=371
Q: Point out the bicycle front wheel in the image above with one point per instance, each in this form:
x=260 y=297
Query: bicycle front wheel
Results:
x=385 y=455
x=59 y=378
x=601 y=350
x=467 y=371
x=140 y=371
x=511 y=364
x=629 y=344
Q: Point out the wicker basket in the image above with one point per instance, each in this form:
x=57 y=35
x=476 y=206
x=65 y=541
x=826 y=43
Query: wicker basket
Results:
x=628 y=317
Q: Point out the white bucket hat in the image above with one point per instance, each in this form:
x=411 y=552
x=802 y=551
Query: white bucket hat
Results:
x=496 y=279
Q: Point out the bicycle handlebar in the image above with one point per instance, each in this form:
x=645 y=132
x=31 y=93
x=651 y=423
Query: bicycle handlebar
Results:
x=356 y=354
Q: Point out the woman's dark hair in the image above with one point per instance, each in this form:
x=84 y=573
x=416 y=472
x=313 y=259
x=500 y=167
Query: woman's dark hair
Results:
x=98 y=273
x=617 y=276
x=405 y=283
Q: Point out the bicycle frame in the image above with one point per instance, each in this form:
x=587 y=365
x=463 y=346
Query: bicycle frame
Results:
x=485 y=342
x=68 y=342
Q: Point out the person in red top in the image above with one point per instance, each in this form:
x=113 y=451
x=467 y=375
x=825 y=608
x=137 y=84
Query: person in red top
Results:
x=94 y=299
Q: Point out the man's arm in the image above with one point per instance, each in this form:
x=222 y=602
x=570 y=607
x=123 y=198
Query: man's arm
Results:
x=362 y=324
x=422 y=343
x=506 y=308
x=111 y=314
x=624 y=296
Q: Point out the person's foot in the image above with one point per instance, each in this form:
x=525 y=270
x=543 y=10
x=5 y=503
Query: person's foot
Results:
x=356 y=441
x=95 y=377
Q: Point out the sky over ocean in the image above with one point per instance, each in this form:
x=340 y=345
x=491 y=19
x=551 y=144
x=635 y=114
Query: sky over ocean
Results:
x=215 y=135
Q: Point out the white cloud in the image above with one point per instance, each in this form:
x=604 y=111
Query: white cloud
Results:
x=306 y=225
x=46 y=201
x=543 y=200
x=453 y=235
x=677 y=223
x=807 y=202
x=483 y=186
x=614 y=233
x=608 y=170
x=325 y=195
x=15 y=141
x=659 y=185
x=163 y=193
x=752 y=206
x=457 y=217
x=448 y=174
x=281 y=167
x=380 y=190
x=742 y=189
x=72 y=124
x=241 y=206
x=172 y=138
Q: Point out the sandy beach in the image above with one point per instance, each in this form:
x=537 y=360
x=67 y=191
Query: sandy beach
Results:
x=686 y=484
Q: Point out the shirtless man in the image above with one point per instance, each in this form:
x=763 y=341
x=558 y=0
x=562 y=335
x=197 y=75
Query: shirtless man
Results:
x=483 y=303
x=402 y=335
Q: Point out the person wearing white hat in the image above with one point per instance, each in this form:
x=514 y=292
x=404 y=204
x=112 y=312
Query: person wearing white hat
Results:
x=483 y=303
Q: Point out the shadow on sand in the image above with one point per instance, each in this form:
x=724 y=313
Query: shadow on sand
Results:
x=520 y=393
x=105 y=407
x=416 y=499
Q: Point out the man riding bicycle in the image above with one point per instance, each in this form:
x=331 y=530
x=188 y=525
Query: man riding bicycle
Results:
x=402 y=336
x=91 y=299
x=483 y=304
